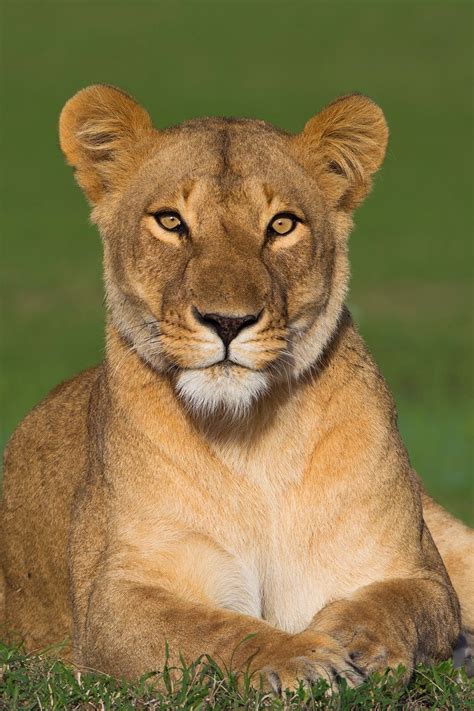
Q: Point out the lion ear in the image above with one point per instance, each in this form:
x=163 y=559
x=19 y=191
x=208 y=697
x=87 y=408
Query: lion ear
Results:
x=100 y=128
x=342 y=147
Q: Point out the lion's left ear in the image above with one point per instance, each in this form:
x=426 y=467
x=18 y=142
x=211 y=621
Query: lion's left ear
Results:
x=342 y=147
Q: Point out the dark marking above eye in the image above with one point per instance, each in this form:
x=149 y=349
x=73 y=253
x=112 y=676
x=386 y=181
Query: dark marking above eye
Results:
x=268 y=192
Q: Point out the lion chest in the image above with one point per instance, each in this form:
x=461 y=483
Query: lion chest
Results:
x=260 y=542
x=280 y=538
x=292 y=585
x=278 y=570
x=243 y=551
x=273 y=573
x=299 y=561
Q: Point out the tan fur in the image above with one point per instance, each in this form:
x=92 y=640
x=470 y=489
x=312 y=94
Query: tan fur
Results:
x=263 y=509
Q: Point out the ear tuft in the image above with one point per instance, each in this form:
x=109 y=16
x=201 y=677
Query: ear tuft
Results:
x=343 y=146
x=98 y=128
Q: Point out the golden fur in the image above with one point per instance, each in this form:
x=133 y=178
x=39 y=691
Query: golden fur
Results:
x=255 y=501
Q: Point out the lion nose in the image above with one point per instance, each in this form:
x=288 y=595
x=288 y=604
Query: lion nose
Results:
x=226 y=327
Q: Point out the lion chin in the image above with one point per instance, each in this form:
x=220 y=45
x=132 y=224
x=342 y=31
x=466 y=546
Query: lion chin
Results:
x=227 y=388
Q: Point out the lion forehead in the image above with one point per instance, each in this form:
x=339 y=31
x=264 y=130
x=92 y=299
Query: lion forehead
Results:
x=221 y=150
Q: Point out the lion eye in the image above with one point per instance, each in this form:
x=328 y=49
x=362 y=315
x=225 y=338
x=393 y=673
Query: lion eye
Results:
x=170 y=221
x=282 y=224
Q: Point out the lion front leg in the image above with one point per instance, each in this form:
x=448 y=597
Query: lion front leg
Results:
x=129 y=626
x=399 y=621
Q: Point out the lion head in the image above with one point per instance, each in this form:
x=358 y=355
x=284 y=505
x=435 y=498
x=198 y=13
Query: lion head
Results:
x=225 y=239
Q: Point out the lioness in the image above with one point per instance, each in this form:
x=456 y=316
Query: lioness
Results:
x=231 y=479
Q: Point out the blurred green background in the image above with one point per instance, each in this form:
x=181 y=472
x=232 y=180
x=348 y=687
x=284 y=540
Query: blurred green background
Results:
x=281 y=61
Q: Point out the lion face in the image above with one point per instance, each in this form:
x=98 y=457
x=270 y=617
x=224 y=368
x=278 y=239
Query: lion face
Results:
x=213 y=291
x=225 y=240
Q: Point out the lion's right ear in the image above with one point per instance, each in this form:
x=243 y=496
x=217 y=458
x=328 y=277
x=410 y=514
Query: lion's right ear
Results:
x=99 y=132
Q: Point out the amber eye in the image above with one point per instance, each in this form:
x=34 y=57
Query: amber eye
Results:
x=170 y=221
x=282 y=224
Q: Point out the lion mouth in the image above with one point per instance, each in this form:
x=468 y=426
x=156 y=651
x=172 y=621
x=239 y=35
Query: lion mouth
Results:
x=225 y=366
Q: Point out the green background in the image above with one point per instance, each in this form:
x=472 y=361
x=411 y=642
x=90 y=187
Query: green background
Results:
x=281 y=61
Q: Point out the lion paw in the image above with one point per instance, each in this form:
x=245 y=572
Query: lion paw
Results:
x=371 y=654
x=308 y=658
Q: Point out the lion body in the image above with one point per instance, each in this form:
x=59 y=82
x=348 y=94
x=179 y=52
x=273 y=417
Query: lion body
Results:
x=275 y=564
x=129 y=519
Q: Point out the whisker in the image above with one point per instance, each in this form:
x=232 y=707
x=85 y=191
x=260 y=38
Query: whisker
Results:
x=130 y=349
x=145 y=323
x=282 y=367
x=155 y=338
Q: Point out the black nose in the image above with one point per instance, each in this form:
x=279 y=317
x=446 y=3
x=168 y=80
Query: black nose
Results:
x=227 y=327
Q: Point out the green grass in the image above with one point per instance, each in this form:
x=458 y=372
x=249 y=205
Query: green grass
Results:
x=40 y=682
